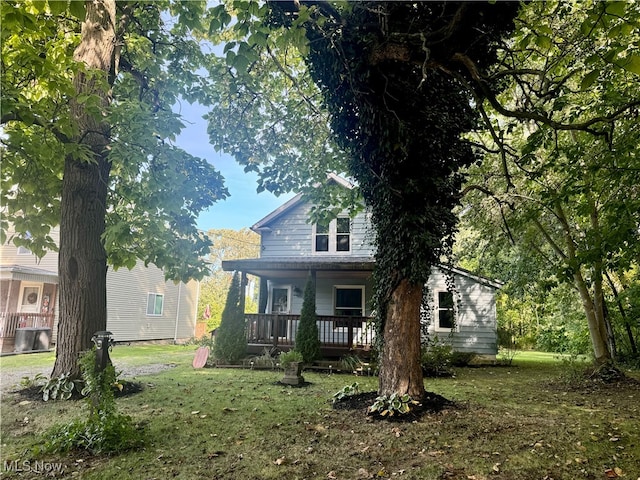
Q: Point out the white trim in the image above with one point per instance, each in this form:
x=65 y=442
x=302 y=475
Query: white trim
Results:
x=350 y=287
x=35 y=306
x=436 y=313
x=273 y=287
x=155 y=295
x=333 y=238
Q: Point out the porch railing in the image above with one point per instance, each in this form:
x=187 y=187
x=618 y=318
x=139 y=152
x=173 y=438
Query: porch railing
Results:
x=333 y=331
x=10 y=321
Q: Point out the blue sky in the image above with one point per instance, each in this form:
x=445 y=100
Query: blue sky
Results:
x=244 y=206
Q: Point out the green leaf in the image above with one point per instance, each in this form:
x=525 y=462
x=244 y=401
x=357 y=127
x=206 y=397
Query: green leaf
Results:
x=589 y=78
x=544 y=42
x=631 y=64
x=58 y=7
x=616 y=8
x=77 y=10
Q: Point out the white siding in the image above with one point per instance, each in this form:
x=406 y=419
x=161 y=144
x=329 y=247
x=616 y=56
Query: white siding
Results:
x=475 y=316
x=9 y=255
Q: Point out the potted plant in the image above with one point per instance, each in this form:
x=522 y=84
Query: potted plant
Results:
x=291 y=363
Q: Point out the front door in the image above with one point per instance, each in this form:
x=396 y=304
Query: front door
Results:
x=29 y=301
x=280 y=304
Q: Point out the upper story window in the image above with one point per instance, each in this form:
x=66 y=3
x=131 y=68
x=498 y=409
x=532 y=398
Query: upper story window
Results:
x=332 y=237
x=445 y=315
x=24 y=250
x=155 y=304
x=322 y=237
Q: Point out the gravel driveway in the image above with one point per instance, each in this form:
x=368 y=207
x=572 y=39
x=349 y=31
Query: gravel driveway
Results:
x=11 y=377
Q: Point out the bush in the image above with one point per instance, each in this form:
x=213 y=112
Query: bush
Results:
x=436 y=358
x=105 y=430
x=231 y=341
x=307 y=341
x=462 y=359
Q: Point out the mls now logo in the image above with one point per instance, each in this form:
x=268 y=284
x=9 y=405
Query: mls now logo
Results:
x=31 y=467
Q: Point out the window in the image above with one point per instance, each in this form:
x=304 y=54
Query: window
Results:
x=155 y=304
x=322 y=237
x=343 y=227
x=349 y=301
x=332 y=237
x=445 y=311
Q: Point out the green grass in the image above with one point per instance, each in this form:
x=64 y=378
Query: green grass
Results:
x=511 y=423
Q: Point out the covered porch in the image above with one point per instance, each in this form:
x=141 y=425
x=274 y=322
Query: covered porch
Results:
x=339 y=335
x=28 y=298
x=343 y=290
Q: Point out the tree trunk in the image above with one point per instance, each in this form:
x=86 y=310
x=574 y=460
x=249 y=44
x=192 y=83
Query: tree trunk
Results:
x=400 y=369
x=595 y=320
x=82 y=262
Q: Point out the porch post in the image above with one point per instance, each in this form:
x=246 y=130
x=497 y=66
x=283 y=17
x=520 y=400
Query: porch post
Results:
x=243 y=291
x=263 y=296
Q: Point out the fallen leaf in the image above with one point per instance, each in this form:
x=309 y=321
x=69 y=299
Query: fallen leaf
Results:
x=23 y=403
x=195 y=412
x=331 y=475
x=618 y=471
x=614 y=439
x=280 y=461
x=364 y=473
x=496 y=468
x=610 y=473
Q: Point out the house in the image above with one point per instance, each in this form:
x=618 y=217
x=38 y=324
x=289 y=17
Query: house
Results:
x=339 y=256
x=141 y=305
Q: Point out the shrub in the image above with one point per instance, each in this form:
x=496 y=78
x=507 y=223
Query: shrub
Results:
x=231 y=342
x=436 y=359
x=307 y=341
x=393 y=404
x=351 y=363
x=462 y=359
x=105 y=430
x=346 y=391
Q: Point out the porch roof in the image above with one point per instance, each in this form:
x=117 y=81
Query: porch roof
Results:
x=271 y=266
x=31 y=274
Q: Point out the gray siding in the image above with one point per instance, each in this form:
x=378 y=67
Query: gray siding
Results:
x=127 y=293
x=475 y=314
x=291 y=235
x=127 y=298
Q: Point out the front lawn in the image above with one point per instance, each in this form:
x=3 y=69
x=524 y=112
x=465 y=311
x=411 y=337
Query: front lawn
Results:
x=514 y=422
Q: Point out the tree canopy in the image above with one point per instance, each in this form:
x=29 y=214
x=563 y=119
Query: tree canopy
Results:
x=88 y=91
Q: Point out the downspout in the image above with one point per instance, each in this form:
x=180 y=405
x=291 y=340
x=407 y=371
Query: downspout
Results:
x=175 y=333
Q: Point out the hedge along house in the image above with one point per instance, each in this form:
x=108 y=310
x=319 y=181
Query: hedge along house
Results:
x=339 y=257
x=141 y=305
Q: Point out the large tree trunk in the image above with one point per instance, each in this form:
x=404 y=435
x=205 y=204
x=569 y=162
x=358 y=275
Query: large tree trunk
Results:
x=82 y=263
x=595 y=320
x=400 y=369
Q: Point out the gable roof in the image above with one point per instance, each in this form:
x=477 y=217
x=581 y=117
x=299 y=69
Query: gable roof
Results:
x=289 y=205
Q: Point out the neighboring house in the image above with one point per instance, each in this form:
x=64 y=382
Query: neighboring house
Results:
x=339 y=257
x=141 y=305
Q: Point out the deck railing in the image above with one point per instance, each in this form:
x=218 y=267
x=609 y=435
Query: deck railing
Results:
x=333 y=331
x=9 y=321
